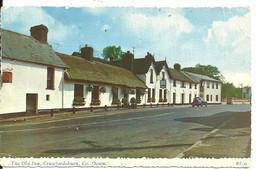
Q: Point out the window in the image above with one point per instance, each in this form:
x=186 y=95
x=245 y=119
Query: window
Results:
x=213 y=85
x=149 y=93
x=174 y=83
x=95 y=92
x=207 y=97
x=50 y=78
x=115 y=93
x=160 y=93
x=216 y=85
x=190 y=98
x=208 y=84
x=138 y=93
x=216 y=97
x=183 y=84
x=165 y=94
x=195 y=95
x=195 y=86
x=210 y=97
x=190 y=85
x=151 y=76
x=163 y=75
x=78 y=90
x=47 y=97
x=153 y=94
x=182 y=98
x=174 y=98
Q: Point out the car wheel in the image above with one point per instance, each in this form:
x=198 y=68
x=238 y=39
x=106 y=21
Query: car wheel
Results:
x=192 y=105
x=198 y=105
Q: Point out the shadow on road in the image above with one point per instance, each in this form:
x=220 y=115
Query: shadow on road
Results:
x=241 y=120
x=98 y=149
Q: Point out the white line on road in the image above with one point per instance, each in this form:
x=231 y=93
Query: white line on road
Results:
x=93 y=123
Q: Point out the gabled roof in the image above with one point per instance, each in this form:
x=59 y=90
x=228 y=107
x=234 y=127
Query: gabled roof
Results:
x=25 y=48
x=159 y=65
x=179 y=75
x=97 y=72
x=199 y=77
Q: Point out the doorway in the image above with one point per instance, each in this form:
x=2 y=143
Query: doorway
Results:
x=174 y=98
x=32 y=103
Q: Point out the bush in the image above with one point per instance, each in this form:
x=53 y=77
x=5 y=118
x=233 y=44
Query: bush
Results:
x=133 y=100
x=125 y=101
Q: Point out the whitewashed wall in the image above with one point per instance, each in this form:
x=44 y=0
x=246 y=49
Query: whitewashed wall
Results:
x=178 y=90
x=29 y=79
x=212 y=92
x=168 y=85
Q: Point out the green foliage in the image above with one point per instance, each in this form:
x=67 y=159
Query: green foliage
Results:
x=229 y=90
x=113 y=52
x=79 y=99
x=209 y=70
x=124 y=101
x=133 y=100
x=103 y=89
x=90 y=88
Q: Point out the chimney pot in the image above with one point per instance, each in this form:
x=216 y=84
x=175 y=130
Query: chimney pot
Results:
x=87 y=53
x=39 y=32
x=177 y=66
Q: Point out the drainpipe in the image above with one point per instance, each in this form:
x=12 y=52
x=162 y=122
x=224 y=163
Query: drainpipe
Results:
x=62 y=84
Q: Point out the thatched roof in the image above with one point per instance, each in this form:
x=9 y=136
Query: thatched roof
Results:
x=97 y=72
x=25 y=48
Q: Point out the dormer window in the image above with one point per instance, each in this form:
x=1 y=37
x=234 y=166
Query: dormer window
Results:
x=151 y=76
x=50 y=78
x=183 y=84
x=174 y=83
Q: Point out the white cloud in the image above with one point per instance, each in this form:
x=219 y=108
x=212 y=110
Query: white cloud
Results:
x=22 y=18
x=234 y=32
x=160 y=31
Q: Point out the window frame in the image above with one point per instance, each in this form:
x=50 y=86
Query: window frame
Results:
x=50 y=78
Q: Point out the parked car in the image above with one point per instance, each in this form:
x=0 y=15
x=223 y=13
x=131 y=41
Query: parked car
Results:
x=199 y=101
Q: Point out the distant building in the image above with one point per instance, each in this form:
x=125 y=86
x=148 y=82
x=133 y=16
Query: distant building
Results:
x=210 y=89
x=183 y=88
x=246 y=93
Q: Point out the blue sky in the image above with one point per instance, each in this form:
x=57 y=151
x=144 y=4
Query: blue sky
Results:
x=215 y=36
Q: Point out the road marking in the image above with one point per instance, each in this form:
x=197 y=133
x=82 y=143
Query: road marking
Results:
x=181 y=155
x=93 y=123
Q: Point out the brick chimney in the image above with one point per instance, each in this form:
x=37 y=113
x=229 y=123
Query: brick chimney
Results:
x=39 y=33
x=149 y=57
x=128 y=61
x=177 y=66
x=87 y=53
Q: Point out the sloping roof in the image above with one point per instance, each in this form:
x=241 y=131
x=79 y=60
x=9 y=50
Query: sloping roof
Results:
x=179 y=75
x=159 y=65
x=199 y=77
x=141 y=66
x=25 y=48
x=81 y=69
x=94 y=58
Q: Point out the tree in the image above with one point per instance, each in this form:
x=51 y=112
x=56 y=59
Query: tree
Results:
x=112 y=52
x=229 y=90
x=209 y=70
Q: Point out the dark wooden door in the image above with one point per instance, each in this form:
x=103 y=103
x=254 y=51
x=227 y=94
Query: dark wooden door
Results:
x=32 y=103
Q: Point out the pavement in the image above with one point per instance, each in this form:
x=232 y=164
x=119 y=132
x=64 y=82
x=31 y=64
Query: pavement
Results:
x=166 y=132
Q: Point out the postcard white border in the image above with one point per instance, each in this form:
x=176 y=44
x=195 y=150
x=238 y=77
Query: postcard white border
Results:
x=195 y=162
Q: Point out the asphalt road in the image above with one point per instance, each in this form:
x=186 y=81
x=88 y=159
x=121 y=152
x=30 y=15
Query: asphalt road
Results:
x=153 y=132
